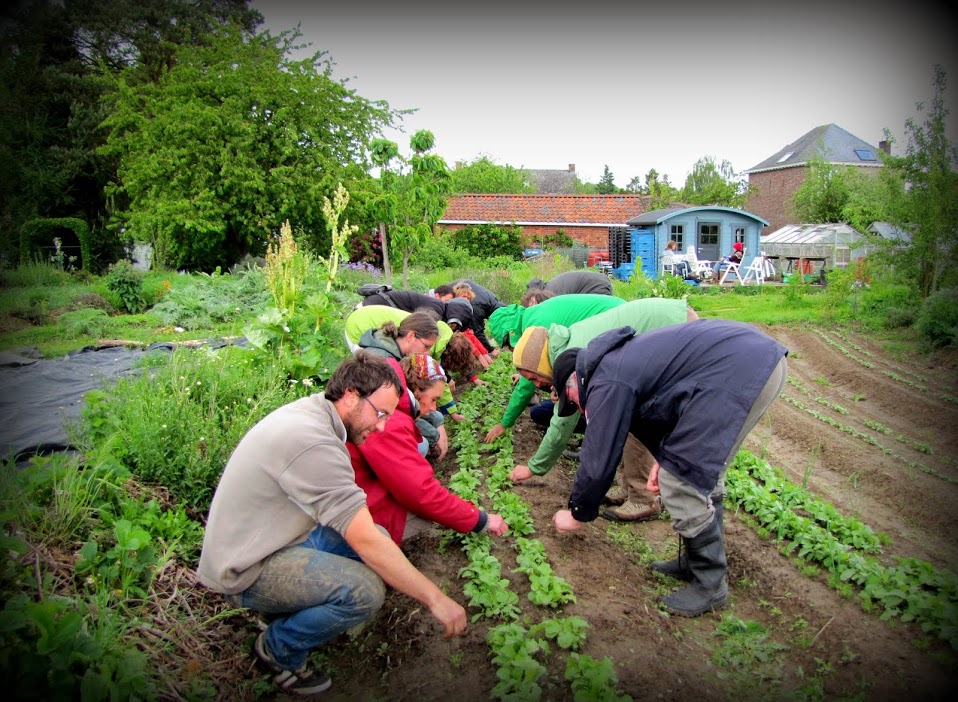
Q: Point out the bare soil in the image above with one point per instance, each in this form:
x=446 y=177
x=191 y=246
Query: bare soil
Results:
x=833 y=649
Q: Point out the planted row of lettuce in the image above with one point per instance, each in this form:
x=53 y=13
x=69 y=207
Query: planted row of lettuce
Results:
x=517 y=647
x=911 y=589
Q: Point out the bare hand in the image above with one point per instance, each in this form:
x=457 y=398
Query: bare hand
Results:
x=652 y=484
x=443 y=442
x=458 y=417
x=496 y=525
x=485 y=361
x=494 y=353
x=520 y=473
x=452 y=385
x=450 y=614
x=479 y=381
x=495 y=433
x=564 y=521
x=515 y=378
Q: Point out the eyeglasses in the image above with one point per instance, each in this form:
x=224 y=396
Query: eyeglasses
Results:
x=427 y=343
x=379 y=413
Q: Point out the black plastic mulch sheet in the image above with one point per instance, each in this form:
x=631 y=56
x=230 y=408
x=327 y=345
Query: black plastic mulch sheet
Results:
x=39 y=397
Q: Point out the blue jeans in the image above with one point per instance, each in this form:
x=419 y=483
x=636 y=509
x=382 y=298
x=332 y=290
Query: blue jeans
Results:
x=541 y=414
x=321 y=586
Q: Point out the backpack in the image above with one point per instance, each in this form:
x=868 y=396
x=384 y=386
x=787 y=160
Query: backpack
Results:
x=367 y=289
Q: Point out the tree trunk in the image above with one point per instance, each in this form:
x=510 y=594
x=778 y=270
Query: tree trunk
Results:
x=387 y=270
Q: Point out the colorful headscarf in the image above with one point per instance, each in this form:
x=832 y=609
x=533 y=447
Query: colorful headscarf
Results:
x=426 y=367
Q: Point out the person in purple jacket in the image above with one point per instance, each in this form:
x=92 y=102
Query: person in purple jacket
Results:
x=690 y=393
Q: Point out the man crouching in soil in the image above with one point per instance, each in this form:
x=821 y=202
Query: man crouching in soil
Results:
x=289 y=533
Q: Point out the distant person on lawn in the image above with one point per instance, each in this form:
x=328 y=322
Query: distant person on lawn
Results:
x=690 y=393
x=289 y=533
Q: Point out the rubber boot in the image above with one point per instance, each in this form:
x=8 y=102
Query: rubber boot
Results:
x=678 y=568
x=709 y=588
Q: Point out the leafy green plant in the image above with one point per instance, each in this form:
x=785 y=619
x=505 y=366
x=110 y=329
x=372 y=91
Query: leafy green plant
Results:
x=593 y=680
x=938 y=321
x=127 y=283
x=86 y=322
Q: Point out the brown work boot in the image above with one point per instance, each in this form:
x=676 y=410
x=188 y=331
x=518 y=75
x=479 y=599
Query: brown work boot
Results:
x=633 y=512
x=615 y=496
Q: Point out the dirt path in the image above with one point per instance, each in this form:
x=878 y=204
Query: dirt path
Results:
x=818 y=645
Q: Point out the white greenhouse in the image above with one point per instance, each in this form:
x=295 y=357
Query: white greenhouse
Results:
x=829 y=245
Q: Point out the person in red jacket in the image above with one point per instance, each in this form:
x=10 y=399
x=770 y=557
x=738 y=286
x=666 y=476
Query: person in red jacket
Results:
x=402 y=492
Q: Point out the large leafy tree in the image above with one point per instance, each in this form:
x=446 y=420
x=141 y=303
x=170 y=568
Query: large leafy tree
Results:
x=928 y=206
x=412 y=198
x=824 y=193
x=231 y=141
x=54 y=55
x=483 y=175
x=658 y=188
x=712 y=183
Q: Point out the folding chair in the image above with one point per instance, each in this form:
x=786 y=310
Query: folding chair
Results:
x=733 y=268
x=758 y=269
x=699 y=267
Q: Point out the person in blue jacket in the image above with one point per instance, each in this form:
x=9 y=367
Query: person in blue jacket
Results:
x=690 y=393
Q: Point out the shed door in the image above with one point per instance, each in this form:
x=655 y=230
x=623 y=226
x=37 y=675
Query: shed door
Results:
x=707 y=246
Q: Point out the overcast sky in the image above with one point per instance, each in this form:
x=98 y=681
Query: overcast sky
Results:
x=543 y=85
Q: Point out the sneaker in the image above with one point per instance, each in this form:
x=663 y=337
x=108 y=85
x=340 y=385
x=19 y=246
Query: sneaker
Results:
x=615 y=496
x=633 y=512
x=302 y=681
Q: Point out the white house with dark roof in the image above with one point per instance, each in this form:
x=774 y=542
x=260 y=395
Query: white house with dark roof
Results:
x=775 y=180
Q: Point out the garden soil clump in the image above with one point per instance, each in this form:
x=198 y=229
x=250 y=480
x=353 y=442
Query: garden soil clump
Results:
x=800 y=637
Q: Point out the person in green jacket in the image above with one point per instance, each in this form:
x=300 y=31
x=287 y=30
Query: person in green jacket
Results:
x=534 y=354
x=507 y=323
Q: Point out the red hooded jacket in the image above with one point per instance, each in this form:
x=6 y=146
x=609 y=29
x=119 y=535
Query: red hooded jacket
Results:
x=397 y=479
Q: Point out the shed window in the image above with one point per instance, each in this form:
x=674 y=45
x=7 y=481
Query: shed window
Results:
x=677 y=234
x=739 y=235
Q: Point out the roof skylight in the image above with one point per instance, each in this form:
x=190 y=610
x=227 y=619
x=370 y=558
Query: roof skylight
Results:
x=787 y=156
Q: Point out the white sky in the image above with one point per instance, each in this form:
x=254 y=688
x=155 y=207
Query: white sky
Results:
x=539 y=85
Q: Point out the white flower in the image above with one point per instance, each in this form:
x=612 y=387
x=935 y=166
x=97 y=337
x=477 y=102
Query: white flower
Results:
x=199 y=382
x=308 y=382
x=248 y=400
x=162 y=426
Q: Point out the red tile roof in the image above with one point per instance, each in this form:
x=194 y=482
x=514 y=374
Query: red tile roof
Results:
x=545 y=209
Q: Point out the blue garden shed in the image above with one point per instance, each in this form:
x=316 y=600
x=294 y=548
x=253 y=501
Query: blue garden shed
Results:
x=710 y=229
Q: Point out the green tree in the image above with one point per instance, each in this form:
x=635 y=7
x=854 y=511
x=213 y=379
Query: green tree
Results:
x=660 y=190
x=412 y=197
x=824 y=193
x=232 y=140
x=483 y=175
x=711 y=183
x=53 y=56
x=928 y=206
x=606 y=185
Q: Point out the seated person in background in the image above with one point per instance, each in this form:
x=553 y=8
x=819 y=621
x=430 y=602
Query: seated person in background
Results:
x=682 y=267
x=575 y=283
x=734 y=257
x=402 y=492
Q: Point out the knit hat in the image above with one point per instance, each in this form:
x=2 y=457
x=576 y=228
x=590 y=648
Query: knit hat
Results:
x=564 y=367
x=531 y=352
x=737 y=246
x=426 y=367
x=505 y=321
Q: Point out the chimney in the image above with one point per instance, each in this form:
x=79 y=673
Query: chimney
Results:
x=571 y=168
x=885 y=146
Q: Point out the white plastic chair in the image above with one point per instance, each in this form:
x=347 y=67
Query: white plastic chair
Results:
x=699 y=267
x=733 y=268
x=757 y=269
x=668 y=263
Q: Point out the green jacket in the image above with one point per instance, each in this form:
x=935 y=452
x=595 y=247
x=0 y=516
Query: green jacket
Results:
x=561 y=309
x=642 y=315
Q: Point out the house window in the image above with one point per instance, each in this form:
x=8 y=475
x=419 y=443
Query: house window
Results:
x=677 y=234
x=708 y=235
x=739 y=235
x=865 y=154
